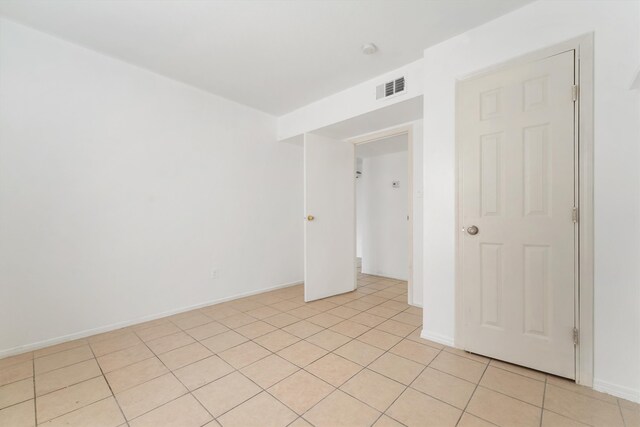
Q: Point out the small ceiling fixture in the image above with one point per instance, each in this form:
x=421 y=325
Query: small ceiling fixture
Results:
x=369 y=48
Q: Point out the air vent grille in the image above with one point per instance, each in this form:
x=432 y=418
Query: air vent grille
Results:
x=394 y=87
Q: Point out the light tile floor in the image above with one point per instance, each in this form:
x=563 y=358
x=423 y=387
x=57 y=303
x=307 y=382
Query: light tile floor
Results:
x=271 y=360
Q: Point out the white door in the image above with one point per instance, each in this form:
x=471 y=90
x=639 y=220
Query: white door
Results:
x=517 y=172
x=329 y=231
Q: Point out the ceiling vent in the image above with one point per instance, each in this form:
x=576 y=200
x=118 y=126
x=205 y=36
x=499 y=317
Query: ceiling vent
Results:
x=394 y=87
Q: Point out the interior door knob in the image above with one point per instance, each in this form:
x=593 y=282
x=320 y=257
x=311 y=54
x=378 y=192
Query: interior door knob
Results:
x=310 y=218
x=473 y=230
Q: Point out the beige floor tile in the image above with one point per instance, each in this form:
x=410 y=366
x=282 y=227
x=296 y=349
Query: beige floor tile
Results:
x=396 y=328
x=341 y=410
x=536 y=375
x=20 y=415
x=413 y=408
x=502 y=410
x=277 y=340
x=468 y=420
x=334 y=369
x=157 y=331
x=373 y=389
x=460 y=367
x=64 y=377
x=417 y=352
x=203 y=372
x=300 y=422
x=468 y=355
x=191 y=321
x=16 y=392
x=380 y=339
x=631 y=415
x=304 y=312
x=551 y=419
x=396 y=305
x=302 y=353
x=184 y=356
x=135 y=374
x=572 y=386
x=244 y=354
x=259 y=411
x=185 y=411
x=397 y=368
x=385 y=421
x=227 y=392
x=224 y=341
x=445 y=387
x=414 y=310
x=359 y=305
x=107 y=335
x=14 y=360
x=237 y=320
x=328 y=339
x=409 y=319
x=263 y=312
x=281 y=320
x=255 y=329
x=350 y=329
x=62 y=359
x=59 y=347
x=344 y=312
x=321 y=305
x=301 y=391
x=582 y=408
x=71 y=398
x=213 y=423
x=151 y=324
x=302 y=329
x=370 y=320
x=286 y=305
x=207 y=330
x=514 y=385
x=104 y=413
x=150 y=395
x=219 y=311
x=385 y=312
x=268 y=371
x=122 y=358
x=169 y=342
x=120 y=342
x=359 y=352
x=325 y=320
x=245 y=304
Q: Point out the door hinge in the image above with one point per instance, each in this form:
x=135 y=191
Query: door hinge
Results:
x=576 y=336
x=574 y=92
x=574 y=214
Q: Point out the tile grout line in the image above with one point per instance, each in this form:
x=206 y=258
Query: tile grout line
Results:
x=109 y=385
x=473 y=393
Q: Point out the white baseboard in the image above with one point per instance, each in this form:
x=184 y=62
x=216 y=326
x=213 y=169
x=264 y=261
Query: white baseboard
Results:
x=89 y=332
x=440 y=339
x=617 y=390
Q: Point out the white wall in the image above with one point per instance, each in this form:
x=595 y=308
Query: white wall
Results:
x=349 y=103
x=382 y=215
x=120 y=191
x=617 y=176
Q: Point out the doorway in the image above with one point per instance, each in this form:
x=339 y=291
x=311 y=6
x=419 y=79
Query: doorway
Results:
x=382 y=207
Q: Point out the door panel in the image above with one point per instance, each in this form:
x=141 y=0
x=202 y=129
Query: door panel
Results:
x=329 y=196
x=517 y=176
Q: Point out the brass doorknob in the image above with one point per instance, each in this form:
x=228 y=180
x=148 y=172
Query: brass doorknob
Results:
x=310 y=218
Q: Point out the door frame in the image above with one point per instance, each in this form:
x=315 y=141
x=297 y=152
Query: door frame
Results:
x=584 y=250
x=405 y=129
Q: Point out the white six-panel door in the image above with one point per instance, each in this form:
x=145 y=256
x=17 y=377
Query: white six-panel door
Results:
x=329 y=231
x=517 y=179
